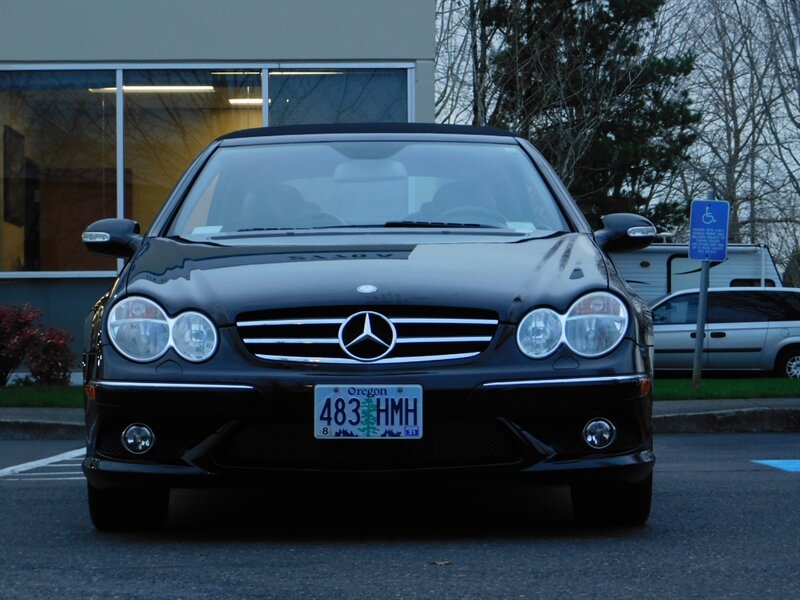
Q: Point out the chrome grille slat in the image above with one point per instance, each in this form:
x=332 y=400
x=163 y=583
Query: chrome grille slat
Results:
x=443 y=340
x=418 y=321
x=382 y=361
x=276 y=322
x=291 y=341
x=312 y=336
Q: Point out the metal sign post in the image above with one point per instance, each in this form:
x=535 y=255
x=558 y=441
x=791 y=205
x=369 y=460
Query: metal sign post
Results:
x=708 y=241
x=700 y=334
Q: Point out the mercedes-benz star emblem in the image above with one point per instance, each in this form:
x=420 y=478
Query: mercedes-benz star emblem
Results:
x=367 y=336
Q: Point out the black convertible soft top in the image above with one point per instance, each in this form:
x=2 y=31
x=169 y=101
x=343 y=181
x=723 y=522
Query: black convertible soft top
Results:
x=331 y=128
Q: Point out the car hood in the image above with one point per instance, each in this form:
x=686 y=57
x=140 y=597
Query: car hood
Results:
x=505 y=277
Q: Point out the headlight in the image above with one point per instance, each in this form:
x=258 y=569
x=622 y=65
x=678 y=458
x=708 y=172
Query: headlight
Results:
x=539 y=333
x=140 y=330
x=194 y=336
x=595 y=324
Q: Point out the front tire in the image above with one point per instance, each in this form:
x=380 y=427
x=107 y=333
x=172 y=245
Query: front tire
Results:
x=128 y=509
x=621 y=504
x=788 y=364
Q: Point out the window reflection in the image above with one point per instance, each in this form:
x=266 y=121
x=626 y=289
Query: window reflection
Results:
x=303 y=97
x=678 y=311
x=57 y=167
x=170 y=116
x=58 y=141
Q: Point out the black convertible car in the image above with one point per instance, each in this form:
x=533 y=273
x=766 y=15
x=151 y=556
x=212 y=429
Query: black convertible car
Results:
x=382 y=301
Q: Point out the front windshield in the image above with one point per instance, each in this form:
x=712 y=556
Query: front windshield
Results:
x=278 y=187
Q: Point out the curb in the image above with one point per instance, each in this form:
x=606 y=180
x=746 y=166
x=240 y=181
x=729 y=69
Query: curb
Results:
x=747 y=420
x=40 y=430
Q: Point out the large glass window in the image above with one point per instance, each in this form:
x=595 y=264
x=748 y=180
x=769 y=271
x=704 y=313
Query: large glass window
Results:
x=59 y=141
x=57 y=167
x=300 y=97
x=170 y=116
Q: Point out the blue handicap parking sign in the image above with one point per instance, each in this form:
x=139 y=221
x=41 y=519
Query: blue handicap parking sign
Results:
x=708 y=234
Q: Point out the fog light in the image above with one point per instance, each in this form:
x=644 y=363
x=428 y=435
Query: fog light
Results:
x=599 y=433
x=138 y=438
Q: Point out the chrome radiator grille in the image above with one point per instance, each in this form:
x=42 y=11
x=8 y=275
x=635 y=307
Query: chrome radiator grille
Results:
x=377 y=335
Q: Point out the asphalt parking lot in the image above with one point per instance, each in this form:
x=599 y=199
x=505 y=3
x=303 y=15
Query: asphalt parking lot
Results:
x=724 y=525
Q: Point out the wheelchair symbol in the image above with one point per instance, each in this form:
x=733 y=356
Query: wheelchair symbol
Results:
x=708 y=218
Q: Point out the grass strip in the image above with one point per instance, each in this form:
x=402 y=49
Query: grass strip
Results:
x=47 y=396
x=714 y=389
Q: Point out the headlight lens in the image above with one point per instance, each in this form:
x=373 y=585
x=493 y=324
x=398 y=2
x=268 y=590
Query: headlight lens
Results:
x=140 y=330
x=539 y=333
x=194 y=336
x=595 y=324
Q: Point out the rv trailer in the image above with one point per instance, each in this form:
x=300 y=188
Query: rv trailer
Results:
x=661 y=269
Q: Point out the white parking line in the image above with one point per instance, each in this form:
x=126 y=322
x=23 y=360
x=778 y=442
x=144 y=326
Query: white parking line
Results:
x=38 y=474
x=16 y=469
x=28 y=478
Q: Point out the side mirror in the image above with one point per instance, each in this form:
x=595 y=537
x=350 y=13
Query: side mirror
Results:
x=114 y=237
x=625 y=231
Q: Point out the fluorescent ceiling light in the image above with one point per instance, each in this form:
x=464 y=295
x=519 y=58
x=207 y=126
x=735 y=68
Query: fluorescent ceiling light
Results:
x=236 y=72
x=246 y=101
x=306 y=72
x=156 y=89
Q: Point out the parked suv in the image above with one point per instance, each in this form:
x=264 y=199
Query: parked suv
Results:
x=746 y=329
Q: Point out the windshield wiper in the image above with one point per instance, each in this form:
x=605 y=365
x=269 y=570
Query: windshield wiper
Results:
x=411 y=224
x=439 y=224
x=188 y=240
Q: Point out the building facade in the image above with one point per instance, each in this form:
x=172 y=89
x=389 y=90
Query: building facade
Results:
x=103 y=103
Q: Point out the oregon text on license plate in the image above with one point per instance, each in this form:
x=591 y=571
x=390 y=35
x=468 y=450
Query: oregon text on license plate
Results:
x=368 y=411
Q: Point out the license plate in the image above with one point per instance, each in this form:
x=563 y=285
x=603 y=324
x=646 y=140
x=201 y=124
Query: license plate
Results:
x=368 y=412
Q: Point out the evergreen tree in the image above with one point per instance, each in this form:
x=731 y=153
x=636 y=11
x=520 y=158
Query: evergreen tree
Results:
x=368 y=427
x=791 y=276
x=575 y=77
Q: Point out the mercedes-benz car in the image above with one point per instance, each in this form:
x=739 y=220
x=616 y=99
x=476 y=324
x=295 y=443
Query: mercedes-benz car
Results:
x=368 y=302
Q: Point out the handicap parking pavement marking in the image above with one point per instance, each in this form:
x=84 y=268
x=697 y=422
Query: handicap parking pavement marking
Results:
x=67 y=459
x=792 y=466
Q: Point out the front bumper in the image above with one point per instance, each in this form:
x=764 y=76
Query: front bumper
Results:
x=215 y=433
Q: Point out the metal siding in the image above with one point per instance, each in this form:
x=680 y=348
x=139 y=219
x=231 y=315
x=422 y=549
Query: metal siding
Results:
x=200 y=30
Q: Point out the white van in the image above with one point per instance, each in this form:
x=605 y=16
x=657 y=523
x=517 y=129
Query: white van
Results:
x=752 y=329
